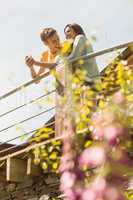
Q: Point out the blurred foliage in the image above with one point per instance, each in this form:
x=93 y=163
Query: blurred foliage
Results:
x=87 y=100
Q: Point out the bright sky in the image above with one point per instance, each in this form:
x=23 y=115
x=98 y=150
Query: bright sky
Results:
x=20 y=23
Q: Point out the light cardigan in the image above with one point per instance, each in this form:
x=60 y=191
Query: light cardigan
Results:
x=80 y=48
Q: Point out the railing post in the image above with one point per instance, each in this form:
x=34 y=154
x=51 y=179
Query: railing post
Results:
x=70 y=112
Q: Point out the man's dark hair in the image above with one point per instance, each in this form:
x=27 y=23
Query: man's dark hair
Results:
x=47 y=33
x=76 y=27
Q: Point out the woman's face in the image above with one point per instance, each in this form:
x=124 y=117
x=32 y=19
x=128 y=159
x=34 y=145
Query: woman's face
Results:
x=70 y=33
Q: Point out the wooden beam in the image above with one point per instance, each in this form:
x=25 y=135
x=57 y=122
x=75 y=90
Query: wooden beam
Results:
x=32 y=169
x=8 y=161
x=27 y=149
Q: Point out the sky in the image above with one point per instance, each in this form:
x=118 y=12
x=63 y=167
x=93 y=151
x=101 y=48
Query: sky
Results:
x=110 y=21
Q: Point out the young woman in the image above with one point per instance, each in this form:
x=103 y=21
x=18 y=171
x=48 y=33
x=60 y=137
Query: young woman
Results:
x=81 y=47
x=85 y=69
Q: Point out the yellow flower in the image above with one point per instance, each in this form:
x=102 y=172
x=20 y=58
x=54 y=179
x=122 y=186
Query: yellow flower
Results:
x=36 y=161
x=88 y=144
x=53 y=156
x=101 y=104
x=81 y=61
x=44 y=165
x=66 y=47
x=55 y=165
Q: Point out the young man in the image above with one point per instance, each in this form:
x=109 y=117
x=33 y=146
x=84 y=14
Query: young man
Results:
x=51 y=39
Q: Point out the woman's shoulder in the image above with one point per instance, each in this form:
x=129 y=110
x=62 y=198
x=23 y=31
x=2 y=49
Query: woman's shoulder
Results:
x=80 y=39
x=80 y=36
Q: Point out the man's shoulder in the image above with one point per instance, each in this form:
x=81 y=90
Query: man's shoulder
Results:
x=44 y=55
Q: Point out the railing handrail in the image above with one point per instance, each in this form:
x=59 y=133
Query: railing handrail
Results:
x=18 y=137
x=104 y=51
x=24 y=85
x=27 y=104
x=90 y=55
x=27 y=119
x=33 y=146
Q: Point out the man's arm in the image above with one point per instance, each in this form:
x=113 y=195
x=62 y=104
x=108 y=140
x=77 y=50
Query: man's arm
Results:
x=34 y=74
x=30 y=62
x=45 y=64
x=41 y=71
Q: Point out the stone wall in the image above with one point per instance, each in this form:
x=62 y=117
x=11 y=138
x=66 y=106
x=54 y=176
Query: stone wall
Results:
x=33 y=188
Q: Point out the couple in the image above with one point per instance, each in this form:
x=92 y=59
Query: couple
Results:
x=52 y=57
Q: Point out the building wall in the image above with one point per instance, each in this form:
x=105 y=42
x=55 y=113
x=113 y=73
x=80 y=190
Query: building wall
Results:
x=37 y=188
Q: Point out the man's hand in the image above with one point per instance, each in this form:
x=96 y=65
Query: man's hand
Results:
x=29 y=61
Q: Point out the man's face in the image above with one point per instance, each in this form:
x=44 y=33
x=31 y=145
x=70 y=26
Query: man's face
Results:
x=53 y=43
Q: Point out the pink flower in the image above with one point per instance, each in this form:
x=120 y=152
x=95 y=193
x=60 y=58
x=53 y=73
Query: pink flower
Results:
x=67 y=146
x=70 y=194
x=99 y=186
x=67 y=163
x=98 y=119
x=67 y=180
x=92 y=157
x=112 y=132
x=113 y=193
x=119 y=98
x=103 y=118
x=88 y=194
x=98 y=133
